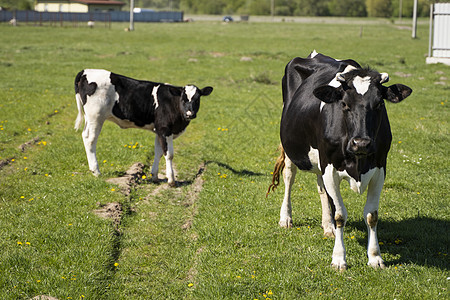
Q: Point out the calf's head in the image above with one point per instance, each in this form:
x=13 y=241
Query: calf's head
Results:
x=190 y=100
x=356 y=108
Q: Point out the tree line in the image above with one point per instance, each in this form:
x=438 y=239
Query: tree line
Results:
x=344 y=8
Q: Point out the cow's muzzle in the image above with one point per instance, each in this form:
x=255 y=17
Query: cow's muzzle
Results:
x=189 y=115
x=359 y=146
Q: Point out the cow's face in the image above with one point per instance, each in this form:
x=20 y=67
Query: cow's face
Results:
x=190 y=100
x=357 y=108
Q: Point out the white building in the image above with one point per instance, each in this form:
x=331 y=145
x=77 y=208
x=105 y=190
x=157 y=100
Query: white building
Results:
x=78 y=5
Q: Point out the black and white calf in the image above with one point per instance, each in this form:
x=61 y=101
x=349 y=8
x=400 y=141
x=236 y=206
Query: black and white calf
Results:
x=162 y=108
x=335 y=125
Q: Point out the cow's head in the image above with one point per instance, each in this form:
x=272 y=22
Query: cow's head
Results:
x=190 y=100
x=357 y=108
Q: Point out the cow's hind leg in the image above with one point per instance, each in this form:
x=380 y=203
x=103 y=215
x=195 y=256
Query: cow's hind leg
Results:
x=290 y=170
x=371 y=219
x=328 y=209
x=90 y=135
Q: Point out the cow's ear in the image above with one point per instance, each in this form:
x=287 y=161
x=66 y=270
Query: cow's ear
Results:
x=396 y=93
x=206 y=91
x=175 y=91
x=328 y=94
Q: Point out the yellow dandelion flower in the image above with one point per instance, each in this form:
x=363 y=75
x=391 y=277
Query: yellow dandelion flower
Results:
x=190 y=285
x=25 y=157
x=143 y=176
x=19 y=243
x=270 y=293
x=28 y=243
x=116 y=264
x=113 y=189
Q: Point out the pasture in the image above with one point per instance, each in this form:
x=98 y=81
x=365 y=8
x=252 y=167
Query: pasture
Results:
x=216 y=235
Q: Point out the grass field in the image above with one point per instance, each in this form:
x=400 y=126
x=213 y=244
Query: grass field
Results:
x=215 y=236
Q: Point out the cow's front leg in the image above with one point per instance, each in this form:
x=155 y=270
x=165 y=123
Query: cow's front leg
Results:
x=332 y=181
x=168 y=155
x=166 y=144
x=327 y=211
x=90 y=135
x=290 y=170
x=371 y=219
x=156 y=160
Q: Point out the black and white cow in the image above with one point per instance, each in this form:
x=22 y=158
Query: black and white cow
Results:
x=334 y=124
x=162 y=108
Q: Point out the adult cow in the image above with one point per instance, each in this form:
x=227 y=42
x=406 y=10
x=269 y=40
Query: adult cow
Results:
x=335 y=124
x=162 y=108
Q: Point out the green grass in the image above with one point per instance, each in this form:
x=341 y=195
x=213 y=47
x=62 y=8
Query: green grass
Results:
x=221 y=241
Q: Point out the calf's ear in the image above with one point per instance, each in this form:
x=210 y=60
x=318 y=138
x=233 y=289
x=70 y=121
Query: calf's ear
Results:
x=396 y=93
x=206 y=91
x=328 y=94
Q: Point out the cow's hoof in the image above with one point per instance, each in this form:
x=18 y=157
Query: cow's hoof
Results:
x=172 y=184
x=286 y=223
x=328 y=231
x=376 y=262
x=339 y=265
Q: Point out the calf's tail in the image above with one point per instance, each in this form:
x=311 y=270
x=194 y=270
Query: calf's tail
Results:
x=278 y=169
x=79 y=119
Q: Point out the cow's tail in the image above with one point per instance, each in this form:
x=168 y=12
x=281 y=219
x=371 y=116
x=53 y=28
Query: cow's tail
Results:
x=278 y=169
x=79 y=120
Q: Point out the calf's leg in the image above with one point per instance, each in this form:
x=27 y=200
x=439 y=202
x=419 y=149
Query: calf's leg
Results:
x=164 y=146
x=169 y=157
x=156 y=160
x=289 y=172
x=90 y=135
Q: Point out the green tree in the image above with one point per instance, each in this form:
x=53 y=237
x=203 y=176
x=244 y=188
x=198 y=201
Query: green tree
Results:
x=347 y=8
x=379 y=8
x=17 y=4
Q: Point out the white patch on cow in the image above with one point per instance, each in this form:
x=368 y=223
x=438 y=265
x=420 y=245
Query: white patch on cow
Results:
x=361 y=84
x=384 y=77
x=322 y=104
x=313 y=155
x=190 y=91
x=100 y=77
x=358 y=186
x=155 y=96
x=335 y=82
x=314 y=53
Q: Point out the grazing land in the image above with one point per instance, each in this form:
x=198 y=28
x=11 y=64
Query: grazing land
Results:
x=69 y=235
